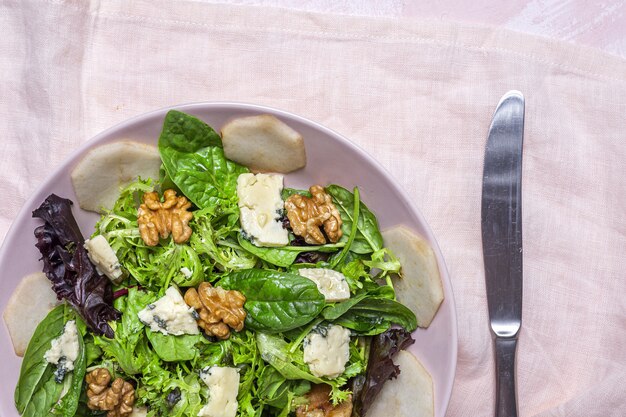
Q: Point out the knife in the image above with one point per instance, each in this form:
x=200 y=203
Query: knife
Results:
x=501 y=223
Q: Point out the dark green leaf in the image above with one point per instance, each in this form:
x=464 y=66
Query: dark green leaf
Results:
x=45 y=397
x=372 y=314
x=194 y=160
x=165 y=182
x=364 y=326
x=274 y=388
x=356 y=200
x=174 y=348
x=34 y=366
x=275 y=256
x=283 y=256
x=276 y=301
x=186 y=133
x=368 y=238
x=334 y=311
x=382 y=291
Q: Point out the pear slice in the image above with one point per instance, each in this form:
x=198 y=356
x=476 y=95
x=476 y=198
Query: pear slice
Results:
x=408 y=395
x=31 y=301
x=264 y=144
x=420 y=287
x=139 y=411
x=104 y=170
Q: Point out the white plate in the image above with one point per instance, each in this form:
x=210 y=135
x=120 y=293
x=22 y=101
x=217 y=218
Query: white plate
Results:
x=331 y=158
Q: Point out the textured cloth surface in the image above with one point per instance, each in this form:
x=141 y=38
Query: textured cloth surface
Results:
x=417 y=95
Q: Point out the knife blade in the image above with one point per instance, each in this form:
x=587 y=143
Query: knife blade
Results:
x=501 y=224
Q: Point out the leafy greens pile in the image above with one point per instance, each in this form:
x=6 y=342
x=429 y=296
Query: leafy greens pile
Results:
x=282 y=306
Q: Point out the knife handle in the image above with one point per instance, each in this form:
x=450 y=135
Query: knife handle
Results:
x=506 y=393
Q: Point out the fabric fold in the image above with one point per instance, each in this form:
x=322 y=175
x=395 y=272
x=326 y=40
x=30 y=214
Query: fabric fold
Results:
x=419 y=96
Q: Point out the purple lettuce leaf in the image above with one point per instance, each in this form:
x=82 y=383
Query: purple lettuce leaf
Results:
x=67 y=266
x=57 y=212
x=380 y=368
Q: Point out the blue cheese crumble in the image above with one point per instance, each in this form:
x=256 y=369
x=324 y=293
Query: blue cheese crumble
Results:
x=64 y=351
x=187 y=273
x=327 y=352
x=104 y=258
x=170 y=315
x=261 y=206
x=223 y=383
x=330 y=283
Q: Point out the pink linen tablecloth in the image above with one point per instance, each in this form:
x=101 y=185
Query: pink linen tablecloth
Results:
x=419 y=96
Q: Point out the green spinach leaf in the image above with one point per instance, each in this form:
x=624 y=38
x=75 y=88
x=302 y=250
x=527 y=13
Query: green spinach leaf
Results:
x=165 y=182
x=174 y=348
x=275 y=256
x=45 y=397
x=35 y=371
x=368 y=238
x=355 y=215
x=274 y=389
x=194 y=160
x=286 y=255
x=186 y=133
x=334 y=311
x=276 y=301
x=374 y=315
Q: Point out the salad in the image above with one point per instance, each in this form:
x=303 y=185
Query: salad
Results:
x=215 y=291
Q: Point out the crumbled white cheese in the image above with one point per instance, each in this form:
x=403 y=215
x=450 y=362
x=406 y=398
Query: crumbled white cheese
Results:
x=64 y=348
x=170 y=315
x=327 y=352
x=104 y=258
x=332 y=284
x=187 y=273
x=223 y=383
x=260 y=206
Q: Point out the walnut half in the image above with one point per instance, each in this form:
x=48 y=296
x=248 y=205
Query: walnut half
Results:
x=320 y=406
x=219 y=310
x=117 y=399
x=158 y=219
x=308 y=214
